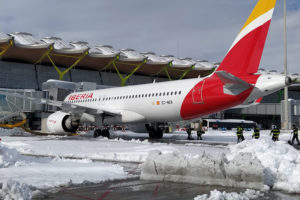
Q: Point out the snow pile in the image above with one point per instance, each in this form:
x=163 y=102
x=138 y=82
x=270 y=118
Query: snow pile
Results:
x=15 y=190
x=257 y=164
x=217 y=195
x=13 y=132
x=46 y=173
x=62 y=172
x=281 y=162
x=241 y=171
x=8 y=156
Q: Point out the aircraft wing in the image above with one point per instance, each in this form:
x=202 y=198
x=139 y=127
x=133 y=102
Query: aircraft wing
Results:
x=66 y=107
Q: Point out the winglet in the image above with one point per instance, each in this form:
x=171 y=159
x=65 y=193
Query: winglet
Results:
x=243 y=57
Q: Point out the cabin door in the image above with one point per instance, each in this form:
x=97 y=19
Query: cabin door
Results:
x=198 y=93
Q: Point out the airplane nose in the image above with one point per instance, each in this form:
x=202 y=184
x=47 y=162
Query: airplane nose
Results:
x=288 y=81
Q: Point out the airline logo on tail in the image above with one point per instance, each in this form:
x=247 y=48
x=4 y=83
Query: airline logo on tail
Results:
x=244 y=55
x=234 y=79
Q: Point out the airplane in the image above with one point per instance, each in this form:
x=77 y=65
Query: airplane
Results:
x=234 y=82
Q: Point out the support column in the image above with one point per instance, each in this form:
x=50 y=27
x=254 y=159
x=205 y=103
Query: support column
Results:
x=186 y=72
x=4 y=49
x=45 y=54
x=125 y=78
x=165 y=69
x=62 y=73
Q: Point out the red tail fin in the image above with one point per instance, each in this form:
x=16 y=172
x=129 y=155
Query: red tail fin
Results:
x=244 y=55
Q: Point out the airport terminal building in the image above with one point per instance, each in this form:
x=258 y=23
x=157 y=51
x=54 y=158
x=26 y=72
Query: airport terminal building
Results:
x=27 y=63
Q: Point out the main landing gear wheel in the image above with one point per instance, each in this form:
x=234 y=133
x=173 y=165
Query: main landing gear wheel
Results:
x=155 y=134
x=97 y=133
x=103 y=133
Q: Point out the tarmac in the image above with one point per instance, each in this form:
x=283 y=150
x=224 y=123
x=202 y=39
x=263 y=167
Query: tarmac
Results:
x=135 y=189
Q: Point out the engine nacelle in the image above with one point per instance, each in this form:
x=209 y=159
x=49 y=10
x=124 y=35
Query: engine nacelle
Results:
x=61 y=123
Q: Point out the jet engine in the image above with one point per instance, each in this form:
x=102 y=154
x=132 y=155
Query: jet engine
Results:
x=61 y=123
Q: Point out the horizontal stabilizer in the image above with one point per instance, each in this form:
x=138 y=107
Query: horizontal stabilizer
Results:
x=248 y=104
x=232 y=84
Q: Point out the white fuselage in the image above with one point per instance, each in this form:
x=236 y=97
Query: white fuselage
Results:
x=158 y=102
x=154 y=102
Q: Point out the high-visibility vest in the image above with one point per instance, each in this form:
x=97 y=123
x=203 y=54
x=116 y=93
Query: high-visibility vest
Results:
x=256 y=133
x=295 y=131
x=239 y=131
x=276 y=132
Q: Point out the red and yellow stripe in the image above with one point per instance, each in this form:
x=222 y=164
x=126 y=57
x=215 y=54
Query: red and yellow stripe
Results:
x=245 y=53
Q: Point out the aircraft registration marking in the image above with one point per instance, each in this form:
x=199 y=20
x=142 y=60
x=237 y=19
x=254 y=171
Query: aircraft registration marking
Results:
x=162 y=102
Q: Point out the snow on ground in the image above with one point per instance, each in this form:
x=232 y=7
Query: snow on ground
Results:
x=100 y=148
x=252 y=163
x=217 y=195
x=70 y=159
x=281 y=162
x=13 y=132
x=19 y=172
x=15 y=190
x=242 y=171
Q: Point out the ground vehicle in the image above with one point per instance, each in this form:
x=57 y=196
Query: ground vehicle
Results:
x=227 y=124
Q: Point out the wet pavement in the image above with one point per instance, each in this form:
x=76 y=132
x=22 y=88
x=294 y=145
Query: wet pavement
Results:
x=135 y=189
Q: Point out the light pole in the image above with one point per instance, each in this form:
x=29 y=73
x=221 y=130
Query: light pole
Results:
x=286 y=111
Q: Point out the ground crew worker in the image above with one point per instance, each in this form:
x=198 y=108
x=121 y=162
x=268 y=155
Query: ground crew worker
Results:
x=255 y=132
x=275 y=131
x=188 y=129
x=295 y=134
x=200 y=132
x=239 y=133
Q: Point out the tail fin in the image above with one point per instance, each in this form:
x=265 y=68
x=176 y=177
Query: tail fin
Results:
x=244 y=55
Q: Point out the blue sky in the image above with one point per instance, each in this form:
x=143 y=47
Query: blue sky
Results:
x=199 y=29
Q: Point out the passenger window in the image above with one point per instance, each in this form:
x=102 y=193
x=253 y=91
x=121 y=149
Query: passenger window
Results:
x=171 y=93
x=175 y=93
x=160 y=94
x=163 y=94
x=167 y=93
x=153 y=94
x=156 y=94
x=145 y=95
x=179 y=92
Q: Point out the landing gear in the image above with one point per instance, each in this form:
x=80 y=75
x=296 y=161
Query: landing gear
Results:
x=103 y=133
x=155 y=132
x=97 y=133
